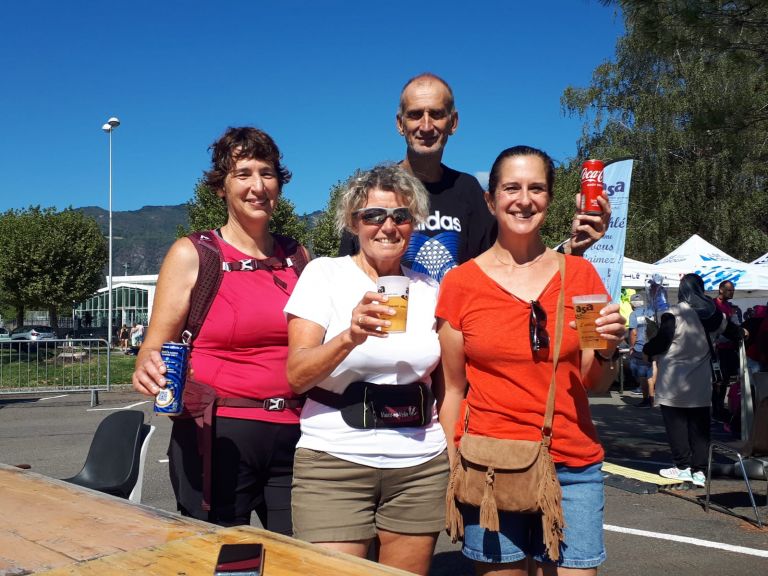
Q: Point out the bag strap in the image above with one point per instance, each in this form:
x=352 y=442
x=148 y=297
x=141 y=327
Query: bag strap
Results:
x=209 y=275
x=546 y=430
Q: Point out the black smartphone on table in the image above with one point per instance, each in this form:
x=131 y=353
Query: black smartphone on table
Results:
x=239 y=560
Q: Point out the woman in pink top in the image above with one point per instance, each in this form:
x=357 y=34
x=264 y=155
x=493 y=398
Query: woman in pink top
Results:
x=239 y=353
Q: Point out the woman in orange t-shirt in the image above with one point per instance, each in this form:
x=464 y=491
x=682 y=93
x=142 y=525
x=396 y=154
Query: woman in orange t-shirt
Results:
x=493 y=327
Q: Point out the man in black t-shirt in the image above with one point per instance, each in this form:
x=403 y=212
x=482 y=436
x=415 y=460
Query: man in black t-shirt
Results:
x=459 y=226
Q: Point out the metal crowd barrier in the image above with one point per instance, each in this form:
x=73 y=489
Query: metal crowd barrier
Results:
x=49 y=366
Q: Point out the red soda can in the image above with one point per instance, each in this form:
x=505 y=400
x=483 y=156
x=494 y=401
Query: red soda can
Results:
x=591 y=186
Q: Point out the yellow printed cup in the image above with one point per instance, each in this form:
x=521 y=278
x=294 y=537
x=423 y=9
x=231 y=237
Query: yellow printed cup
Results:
x=587 y=310
x=396 y=289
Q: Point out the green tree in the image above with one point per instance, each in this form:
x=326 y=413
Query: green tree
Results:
x=207 y=211
x=325 y=238
x=49 y=259
x=691 y=111
x=285 y=221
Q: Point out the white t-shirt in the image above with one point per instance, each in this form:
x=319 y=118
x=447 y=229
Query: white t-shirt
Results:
x=328 y=290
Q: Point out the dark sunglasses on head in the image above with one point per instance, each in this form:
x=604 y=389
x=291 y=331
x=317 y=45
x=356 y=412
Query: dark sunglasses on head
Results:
x=378 y=216
x=537 y=324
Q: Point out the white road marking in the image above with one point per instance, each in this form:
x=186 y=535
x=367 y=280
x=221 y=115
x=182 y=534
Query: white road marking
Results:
x=52 y=397
x=667 y=464
x=119 y=407
x=687 y=540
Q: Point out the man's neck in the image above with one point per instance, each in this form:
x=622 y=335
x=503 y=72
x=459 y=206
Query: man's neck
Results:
x=425 y=168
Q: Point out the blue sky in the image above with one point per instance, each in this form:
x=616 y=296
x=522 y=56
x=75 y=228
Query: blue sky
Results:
x=321 y=76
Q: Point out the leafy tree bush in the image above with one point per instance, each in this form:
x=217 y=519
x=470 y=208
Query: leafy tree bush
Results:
x=685 y=97
x=49 y=259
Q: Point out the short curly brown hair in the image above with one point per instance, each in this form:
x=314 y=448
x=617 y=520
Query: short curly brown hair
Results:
x=236 y=144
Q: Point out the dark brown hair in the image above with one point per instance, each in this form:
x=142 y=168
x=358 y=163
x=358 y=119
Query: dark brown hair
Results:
x=236 y=144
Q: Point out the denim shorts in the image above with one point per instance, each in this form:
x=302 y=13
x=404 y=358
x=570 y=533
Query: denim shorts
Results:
x=520 y=535
x=640 y=368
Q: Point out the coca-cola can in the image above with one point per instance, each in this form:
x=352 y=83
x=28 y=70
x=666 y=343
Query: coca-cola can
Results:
x=591 y=186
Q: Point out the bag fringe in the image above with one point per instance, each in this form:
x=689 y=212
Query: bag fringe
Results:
x=489 y=514
x=549 y=499
x=454 y=521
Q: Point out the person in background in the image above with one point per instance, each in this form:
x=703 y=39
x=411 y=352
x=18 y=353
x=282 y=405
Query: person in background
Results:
x=458 y=226
x=496 y=323
x=240 y=352
x=641 y=369
x=727 y=353
x=682 y=351
x=122 y=337
x=137 y=334
x=757 y=342
x=355 y=482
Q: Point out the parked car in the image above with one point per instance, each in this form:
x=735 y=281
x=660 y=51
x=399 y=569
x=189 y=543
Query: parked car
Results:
x=36 y=332
x=5 y=336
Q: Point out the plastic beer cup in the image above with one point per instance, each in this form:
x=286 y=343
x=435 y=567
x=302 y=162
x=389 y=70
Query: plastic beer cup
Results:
x=396 y=289
x=587 y=310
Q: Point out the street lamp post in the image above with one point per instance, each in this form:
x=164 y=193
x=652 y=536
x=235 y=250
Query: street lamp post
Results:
x=111 y=124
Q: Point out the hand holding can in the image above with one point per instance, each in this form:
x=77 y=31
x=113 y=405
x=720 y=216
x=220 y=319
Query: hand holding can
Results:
x=591 y=186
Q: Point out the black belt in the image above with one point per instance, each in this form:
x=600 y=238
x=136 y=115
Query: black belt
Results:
x=331 y=399
x=268 y=404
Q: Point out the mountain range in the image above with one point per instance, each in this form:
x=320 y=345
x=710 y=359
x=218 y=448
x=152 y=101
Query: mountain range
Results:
x=140 y=238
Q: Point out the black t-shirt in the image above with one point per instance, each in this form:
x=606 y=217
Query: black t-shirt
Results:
x=458 y=228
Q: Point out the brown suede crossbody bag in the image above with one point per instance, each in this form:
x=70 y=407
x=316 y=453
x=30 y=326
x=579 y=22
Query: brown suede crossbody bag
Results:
x=511 y=475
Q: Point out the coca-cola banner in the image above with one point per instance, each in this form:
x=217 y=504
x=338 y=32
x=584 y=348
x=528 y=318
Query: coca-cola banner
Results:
x=608 y=254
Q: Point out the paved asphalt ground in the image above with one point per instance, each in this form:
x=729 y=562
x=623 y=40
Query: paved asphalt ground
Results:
x=646 y=534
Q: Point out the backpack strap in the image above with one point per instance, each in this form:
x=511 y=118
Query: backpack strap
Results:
x=209 y=276
x=212 y=269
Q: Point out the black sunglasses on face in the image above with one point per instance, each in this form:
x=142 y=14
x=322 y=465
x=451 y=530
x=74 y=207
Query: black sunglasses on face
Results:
x=377 y=216
x=537 y=324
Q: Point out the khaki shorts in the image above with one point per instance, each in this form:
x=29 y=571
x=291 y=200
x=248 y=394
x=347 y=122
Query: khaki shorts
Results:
x=334 y=500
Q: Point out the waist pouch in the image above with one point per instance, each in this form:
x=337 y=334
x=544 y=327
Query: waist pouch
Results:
x=365 y=406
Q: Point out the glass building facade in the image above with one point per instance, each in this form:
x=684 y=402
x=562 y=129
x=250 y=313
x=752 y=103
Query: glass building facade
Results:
x=132 y=298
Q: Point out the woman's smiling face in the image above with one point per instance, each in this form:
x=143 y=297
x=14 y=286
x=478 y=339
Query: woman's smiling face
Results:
x=522 y=196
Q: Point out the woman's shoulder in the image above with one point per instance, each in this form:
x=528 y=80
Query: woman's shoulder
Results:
x=329 y=265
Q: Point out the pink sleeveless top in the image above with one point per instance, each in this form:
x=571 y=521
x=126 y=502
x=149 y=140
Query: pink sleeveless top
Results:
x=242 y=346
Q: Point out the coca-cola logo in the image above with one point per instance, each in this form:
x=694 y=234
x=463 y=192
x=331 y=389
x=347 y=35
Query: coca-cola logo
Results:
x=591 y=175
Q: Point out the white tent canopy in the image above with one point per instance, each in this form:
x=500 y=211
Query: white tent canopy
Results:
x=762 y=261
x=714 y=266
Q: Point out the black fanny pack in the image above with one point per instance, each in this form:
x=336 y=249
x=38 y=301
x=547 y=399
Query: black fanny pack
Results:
x=364 y=405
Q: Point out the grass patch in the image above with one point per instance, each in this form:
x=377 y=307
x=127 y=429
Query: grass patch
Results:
x=62 y=369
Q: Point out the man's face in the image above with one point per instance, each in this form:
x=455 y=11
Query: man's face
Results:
x=726 y=291
x=425 y=120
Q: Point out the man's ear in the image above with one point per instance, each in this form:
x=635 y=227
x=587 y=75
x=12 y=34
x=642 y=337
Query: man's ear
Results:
x=399 y=124
x=454 y=122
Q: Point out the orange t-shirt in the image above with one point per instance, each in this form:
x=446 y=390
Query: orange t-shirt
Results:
x=508 y=388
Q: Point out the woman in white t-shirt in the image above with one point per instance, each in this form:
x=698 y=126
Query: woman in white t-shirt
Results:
x=371 y=462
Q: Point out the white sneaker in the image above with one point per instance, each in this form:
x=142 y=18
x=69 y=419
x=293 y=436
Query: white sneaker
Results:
x=699 y=479
x=676 y=474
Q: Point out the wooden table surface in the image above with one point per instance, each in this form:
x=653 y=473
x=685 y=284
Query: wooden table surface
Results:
x=53 y=527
